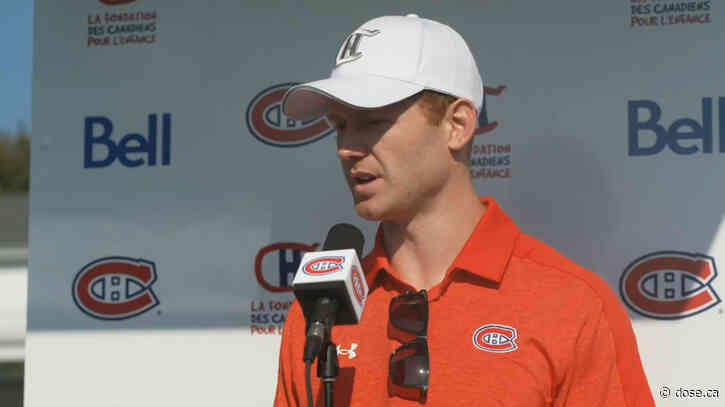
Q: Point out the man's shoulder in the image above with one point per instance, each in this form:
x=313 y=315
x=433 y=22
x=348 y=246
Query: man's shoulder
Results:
x=531 y=249
x=542 y=263
x=295 y=319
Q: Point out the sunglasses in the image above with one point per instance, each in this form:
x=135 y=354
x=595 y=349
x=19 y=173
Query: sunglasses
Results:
x=410 y=363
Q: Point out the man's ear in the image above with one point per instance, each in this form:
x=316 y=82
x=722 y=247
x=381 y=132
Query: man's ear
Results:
x=462 y=120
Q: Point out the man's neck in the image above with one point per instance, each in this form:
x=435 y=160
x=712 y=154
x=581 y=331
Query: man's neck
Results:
x=422 y=248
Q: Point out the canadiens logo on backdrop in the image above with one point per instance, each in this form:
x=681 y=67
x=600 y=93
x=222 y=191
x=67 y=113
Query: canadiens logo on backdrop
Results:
x=324 y=265
x=669 y=284
x=357 y=286
x=115 y=288
x=275 y=265
x=269 y=125
x=490 y=160
x=496 y=338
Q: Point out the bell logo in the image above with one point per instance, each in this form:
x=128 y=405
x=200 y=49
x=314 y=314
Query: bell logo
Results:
x=685 y=136
x=132 y=150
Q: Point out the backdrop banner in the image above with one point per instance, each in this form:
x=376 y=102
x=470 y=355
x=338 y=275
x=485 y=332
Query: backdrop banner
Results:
x=172 y=199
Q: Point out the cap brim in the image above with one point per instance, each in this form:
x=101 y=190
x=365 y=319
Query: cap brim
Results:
x=311 y=100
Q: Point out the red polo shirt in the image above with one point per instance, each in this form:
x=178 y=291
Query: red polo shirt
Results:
x=513 y=323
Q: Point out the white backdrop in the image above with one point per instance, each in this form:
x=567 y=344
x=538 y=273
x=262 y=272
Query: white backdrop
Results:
x=217 y=193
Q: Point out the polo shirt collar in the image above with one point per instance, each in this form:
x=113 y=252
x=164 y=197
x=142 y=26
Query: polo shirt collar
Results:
x=486 y=253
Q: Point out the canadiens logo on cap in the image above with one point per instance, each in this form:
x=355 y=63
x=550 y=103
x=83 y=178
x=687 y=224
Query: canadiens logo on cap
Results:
x=349 y=51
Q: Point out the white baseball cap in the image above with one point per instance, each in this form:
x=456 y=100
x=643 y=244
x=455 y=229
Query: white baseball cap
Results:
x=387 y=60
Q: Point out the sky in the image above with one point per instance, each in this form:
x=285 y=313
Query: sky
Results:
x=16 y=60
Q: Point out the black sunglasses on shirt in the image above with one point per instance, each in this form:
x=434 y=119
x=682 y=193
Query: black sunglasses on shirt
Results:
x=410 y=363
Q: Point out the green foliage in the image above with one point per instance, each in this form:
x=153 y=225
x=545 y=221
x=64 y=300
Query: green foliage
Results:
x=11 y=372
x=14 y=162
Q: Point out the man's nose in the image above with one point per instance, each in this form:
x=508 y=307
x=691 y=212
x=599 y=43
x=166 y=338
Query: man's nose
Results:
x=350 y=147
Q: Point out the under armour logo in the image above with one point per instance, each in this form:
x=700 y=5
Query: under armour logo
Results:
x=349 y=50
x=349 y=352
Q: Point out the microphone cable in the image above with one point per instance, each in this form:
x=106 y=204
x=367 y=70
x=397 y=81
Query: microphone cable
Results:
x=308 y=378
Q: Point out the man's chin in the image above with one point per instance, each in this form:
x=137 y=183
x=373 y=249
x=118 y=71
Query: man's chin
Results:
x=367 y=211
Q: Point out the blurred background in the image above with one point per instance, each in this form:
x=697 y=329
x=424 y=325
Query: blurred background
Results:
x=16 y=45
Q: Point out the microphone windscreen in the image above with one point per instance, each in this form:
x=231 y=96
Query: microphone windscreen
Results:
x=345 y=236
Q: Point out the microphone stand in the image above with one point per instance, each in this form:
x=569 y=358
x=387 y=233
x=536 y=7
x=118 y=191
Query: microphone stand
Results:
x=319 y=345
x=328 y=369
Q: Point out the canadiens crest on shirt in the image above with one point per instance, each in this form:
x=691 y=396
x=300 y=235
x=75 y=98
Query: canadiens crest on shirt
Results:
x=496 y=338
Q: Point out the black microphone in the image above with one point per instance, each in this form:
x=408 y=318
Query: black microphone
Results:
x=330 y=286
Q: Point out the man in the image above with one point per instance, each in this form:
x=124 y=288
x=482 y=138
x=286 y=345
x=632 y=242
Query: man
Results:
x=464 y=309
